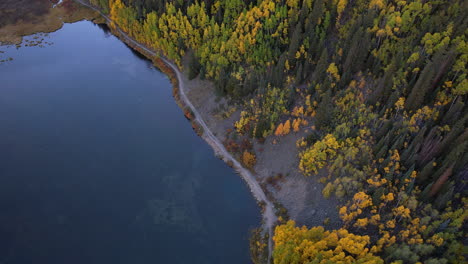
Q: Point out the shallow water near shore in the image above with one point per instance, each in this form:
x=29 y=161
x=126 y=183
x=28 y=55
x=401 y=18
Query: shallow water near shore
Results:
x=99 y=164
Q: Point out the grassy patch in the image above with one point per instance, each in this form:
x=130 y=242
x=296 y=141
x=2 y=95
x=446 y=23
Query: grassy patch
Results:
x=24 y=17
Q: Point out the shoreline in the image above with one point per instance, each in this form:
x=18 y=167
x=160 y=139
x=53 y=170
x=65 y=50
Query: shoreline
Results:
x=202 y=129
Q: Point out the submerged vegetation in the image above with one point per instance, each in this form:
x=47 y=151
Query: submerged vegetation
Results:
x=379 y=85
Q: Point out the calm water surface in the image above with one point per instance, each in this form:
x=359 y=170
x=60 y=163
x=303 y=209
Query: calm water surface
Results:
x=98 y=164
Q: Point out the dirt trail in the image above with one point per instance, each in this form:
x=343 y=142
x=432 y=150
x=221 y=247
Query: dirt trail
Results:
x=269 y=217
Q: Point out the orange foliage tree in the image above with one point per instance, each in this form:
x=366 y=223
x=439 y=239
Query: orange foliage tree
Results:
x=249 y=159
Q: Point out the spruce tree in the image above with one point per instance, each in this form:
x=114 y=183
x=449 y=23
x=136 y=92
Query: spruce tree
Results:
x=321 y=68
x=193 y=66
x=324 y=113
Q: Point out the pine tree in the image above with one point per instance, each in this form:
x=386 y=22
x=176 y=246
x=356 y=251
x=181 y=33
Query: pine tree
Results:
x=324 y=113
x=426 y=171
x=321 y=68
x=295 y=42
x=454 y=112
x=193 y=66
x=418 y=92
x=384 y=86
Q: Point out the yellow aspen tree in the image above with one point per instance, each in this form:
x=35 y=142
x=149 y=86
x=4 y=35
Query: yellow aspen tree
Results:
x=361 y=222
x=287 y=127
x=400 y=104
x=377 y=4
x=340 y=7
x=296 y=124
x=333 y=71
x=401 y=211
x=279 y=130
x=375 y=219
x=302 y=245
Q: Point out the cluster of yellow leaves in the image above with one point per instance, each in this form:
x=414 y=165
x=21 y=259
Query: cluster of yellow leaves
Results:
x=376 y=4
x=310 y=105
x=295 y=245
x=300 y=143
x=388 y=198
x=301 y=52
x=333 y=71
x=390 y=224
x=377 y=181
x=436 y=240
x=434 y=42
x=243 y=121
x=400 y=103
x=340 y=7
x=248 y=159
x=401 y=211
x=458 y=216
x=412 y=233
x=360 y=201
x=315 y=157
x=420 y=116
x=298 y=111
x=443 y=97
x=413 y=57
x=385 y=240
x=361 y=222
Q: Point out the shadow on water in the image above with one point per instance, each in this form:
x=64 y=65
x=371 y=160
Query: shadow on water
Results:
x=108 y=33
x=139 y=55
x=105 y=28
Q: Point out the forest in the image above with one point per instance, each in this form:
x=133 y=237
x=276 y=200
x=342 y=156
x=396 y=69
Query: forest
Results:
x=381 y=86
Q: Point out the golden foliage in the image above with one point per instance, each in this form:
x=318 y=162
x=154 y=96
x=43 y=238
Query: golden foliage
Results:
x=279 y=130
x=333 y=71
x=297 y=245
x=249 y=159
x=315 y=157
x=296 y=123
x=287 y=127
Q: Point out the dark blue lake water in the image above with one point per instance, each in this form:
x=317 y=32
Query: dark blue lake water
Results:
x=99 y=165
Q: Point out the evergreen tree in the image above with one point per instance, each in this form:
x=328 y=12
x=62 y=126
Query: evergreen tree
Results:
x=324 y=114
x=321 y=68
x=418 y=92
x=193 y=66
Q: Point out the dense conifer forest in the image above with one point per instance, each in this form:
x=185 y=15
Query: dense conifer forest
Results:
x=381 y=86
